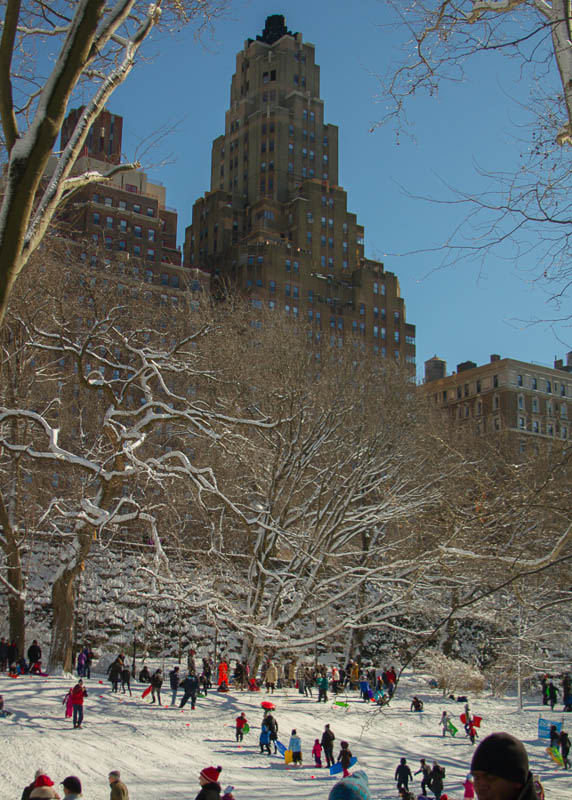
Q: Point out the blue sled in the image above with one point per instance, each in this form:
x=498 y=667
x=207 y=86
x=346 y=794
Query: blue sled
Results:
x=337 y=768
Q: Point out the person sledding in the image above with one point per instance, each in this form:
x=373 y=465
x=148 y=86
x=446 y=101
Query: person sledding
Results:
x=345 y=758
x=416 y=704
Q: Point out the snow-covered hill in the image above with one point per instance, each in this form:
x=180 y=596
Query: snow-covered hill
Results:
x=160 y=750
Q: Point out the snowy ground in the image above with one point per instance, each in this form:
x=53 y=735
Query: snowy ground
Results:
x=160 y=750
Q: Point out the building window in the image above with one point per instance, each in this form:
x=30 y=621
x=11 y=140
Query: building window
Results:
x=548 y=387
x=519 y=380
x=521 y=423
x=521 y=401
x=151 y=234
x=287 y=290
x=495 y=381
x=362 y=309
x=535 y=426
x=108 y=201
x=150 y=254
x=148 y=276
x=137 y=231
x=96 y=218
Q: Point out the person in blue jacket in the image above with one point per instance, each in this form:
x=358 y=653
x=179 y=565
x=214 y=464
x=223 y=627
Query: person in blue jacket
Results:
x=264 y=739
x=295 y=745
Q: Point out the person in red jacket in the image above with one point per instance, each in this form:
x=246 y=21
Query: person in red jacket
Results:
x=77 y=695
x=241 y=721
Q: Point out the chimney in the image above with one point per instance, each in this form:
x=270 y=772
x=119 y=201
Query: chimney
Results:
x=569 y=358
x=494 y=357
x=558 y=363
x=466 y=365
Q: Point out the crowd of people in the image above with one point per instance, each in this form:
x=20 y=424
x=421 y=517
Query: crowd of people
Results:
x=502 y=757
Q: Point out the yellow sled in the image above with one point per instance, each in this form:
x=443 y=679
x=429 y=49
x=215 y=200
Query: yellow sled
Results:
x=288 y=756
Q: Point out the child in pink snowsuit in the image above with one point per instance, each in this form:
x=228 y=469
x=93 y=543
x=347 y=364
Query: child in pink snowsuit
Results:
x=317 y=753
x=469 y=787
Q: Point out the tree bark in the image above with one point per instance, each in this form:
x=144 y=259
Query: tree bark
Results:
x=63 y=609
x=16 y=604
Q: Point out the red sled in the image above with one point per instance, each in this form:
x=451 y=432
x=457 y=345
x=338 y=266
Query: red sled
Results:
x=476 y=721
x=268 y=705
x=147 y=691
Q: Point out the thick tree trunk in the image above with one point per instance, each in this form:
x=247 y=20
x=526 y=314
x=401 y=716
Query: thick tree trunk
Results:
x=15 y=577
x=16 y=605
x=63 y=609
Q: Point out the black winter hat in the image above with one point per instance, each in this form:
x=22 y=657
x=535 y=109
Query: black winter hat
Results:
x=502 y=755
x=72 y=784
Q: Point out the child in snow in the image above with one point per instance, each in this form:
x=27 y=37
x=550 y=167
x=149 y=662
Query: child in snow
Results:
x=210 y=787
x=240 y=723
x=344 y=758
x=469 y=788
x=3 y=712
x=295 y=745
x=317 y=753
x=228 y=793
x=264 y=739
x=444 y=723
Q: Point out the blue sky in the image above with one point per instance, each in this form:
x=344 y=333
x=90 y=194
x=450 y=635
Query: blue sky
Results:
x=461 y=312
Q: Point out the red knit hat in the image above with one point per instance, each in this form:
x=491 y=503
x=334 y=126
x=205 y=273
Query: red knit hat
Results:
x=43 y=780
x=211 y=774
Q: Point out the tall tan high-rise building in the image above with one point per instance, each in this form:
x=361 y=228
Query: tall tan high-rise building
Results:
x=275 y=222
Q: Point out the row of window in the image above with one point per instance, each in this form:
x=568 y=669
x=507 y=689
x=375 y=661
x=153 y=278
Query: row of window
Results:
x=551 y=408
x=123 y=226
x=121 y=245
x=536 y=427
x=307 y=172
x=325 y=222
x=547 y=385
x=123 y=205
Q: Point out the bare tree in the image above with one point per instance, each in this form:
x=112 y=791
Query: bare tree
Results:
x=94 y=45
x=316 y=541
x=525 y=212
x=112 y=386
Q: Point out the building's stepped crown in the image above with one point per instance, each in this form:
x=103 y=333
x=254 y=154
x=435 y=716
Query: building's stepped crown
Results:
x=275 y=222
x=274 y=29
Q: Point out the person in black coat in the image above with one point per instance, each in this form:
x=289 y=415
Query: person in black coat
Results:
x=3 y=654
x=501 y=770
x=210 y=787
x=174 y=679
x=114 y=673
x=126 y=679
x=145 y=675
x=327 y=743
x=34 y=653
x=156 y=683
x=403 y=775
x=190 y=687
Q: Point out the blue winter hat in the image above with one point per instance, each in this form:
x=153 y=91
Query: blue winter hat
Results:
x=356 y=787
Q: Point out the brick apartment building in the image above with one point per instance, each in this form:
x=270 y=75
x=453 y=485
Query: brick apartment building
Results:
x=528 y=400
x=275 y=222
x=123 y=225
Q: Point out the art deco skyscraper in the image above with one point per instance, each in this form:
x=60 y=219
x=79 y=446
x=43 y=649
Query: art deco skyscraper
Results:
x=275 y=222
